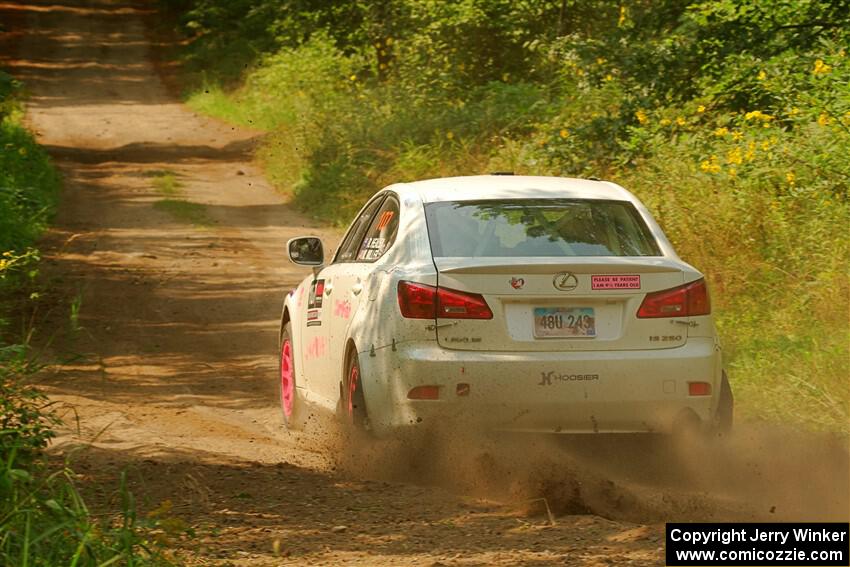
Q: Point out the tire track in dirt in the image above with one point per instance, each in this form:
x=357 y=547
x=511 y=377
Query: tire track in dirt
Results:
x=178 y=319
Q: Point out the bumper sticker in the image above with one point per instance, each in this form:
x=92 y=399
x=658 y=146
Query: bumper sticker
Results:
x=615 y=282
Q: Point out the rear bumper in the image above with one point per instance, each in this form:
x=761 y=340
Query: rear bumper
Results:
x=562 y=392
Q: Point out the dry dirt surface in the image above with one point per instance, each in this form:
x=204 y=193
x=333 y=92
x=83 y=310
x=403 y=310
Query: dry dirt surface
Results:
x=166 y=365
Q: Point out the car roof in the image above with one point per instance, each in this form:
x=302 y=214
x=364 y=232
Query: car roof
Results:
x=481 y=187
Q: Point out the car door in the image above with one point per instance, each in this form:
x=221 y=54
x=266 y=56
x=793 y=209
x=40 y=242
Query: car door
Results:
x=317 y=347
x=358 y=278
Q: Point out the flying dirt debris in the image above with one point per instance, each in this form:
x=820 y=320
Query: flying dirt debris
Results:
x=172 y=243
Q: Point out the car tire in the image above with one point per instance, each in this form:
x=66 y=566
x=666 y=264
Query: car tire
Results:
x=288 y=401
x=725 y=408
x=353 y=402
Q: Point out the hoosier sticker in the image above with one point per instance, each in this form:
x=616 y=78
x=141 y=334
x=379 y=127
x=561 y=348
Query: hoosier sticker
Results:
x=615 y=282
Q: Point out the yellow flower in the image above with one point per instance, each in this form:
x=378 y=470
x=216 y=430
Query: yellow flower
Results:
x=600 y=60
x=3 y=264
x=790 y=178
x=450 y=135
x=22 y=151
x=762 y=75
x=733 y=172
x=737 y=135
x=389 y=41
x=794 y=111
x=721 y=131
x=701 y=109
x=824 y=119
x=710 y=165
x=641 y=117
x=609 y=77
x=681 y=121
x=564 y=133
x=751 y=151
x=352 y=78
x=821 y=68
x=758 y=115
x=665 y=121
x=624 y=12
x=734 y=156
x=765 y=145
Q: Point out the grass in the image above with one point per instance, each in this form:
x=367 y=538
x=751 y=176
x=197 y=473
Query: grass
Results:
x=185 y=211
x=167 y=184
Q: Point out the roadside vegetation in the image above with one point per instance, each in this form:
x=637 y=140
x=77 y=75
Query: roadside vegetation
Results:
x=43 y=518
x=729 y=118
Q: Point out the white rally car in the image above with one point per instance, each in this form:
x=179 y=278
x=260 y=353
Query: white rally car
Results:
x=520 y=303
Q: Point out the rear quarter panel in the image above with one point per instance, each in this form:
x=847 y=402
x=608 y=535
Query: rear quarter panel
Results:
x=378 y=327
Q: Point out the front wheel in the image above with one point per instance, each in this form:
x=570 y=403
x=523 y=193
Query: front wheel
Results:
x=289 y=403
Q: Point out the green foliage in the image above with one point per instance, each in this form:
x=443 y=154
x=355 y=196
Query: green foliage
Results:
x=43 y=518
x=28 y=186
x=730 y=118
x=25 y=427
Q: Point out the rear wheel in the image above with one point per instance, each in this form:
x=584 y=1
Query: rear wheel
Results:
x=353 y=404
x=725 y=408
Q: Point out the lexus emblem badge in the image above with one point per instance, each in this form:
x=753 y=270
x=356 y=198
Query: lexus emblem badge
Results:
x=565 y=281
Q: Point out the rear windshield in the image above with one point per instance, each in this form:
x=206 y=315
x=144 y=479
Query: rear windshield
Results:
x=538 y=227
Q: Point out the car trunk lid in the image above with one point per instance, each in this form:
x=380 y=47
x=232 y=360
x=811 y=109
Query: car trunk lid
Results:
x=561 y=304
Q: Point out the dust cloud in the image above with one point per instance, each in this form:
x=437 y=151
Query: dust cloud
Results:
x=758 y=473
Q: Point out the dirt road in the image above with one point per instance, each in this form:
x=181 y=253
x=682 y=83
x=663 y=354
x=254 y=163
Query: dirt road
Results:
x=169 y=249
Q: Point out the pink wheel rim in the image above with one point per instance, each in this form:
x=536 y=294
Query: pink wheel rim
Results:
x=353 y=377
x=287 y=381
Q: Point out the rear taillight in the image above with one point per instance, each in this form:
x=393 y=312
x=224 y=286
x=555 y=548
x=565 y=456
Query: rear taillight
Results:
x=453 y=304
x=684 y=301
x=417 y=301
x=420 y=301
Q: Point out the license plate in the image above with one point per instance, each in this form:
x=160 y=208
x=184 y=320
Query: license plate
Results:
x=558 y=322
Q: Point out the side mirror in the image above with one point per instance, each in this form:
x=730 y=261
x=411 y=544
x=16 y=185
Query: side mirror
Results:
x=306 y=251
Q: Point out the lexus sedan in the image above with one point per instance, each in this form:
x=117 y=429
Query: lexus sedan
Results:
x=515 y=303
